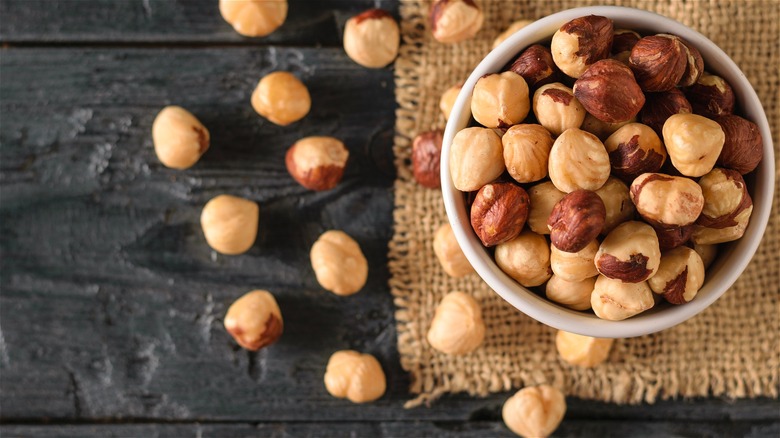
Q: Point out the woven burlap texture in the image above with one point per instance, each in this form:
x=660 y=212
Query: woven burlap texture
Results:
x=730 y=350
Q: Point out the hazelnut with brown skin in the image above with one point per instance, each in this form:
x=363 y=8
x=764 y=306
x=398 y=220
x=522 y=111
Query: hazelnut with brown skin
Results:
x=357 y=377
x=694 y=67
x=667 y=201
x=743 y=145
x=630 y=253
x=623 y=41
x=583 y=351
x=426 y=158
x=526 y=258
x=660 y=106
x=535 y=64
x=617 y=202
x=338 y=263
x=609 y=92
x=693 y=143
x=500 y=100
x=711 y=96
x=556 y=108
x=499 y=212
x=511 y=30
x=254 y=18
x=615 y=300
x=453 y=21
x=680 y=275
x=633 y=150
x=576 y=220
x=534 y=411
x=281 y=98
x=578 y=160
x=727 y=207
x=542 y=198
x=230 y=224
x=601 y=129
x=372 y=38
x=574 y=266
x=659 y=62
x=449 y=254
x=179 y=138
x=672 y=237
x=574 y=295
x=526 y=152
x=476 y=158
x=457 y=327
x=448 y=98
x=581 y=42
x=317 y=163
x=254 y=320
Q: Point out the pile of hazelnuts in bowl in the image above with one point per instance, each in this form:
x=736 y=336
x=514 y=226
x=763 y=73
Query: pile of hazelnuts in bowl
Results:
x=623 y=150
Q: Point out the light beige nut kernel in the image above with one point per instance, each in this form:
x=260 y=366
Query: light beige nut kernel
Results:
x=476 y=158
x=581 y=42
x=230 y=224
x=453 y=21
x=317 y=163
x=448 y=98
x=500 y=100
x=578 y=160
x=574 y=266
x=608 y=91
x=601 y=129
x=449 y=254
x=457 y=327
x=707 y=252
x=542 y=198
x=557 y=109
x=614 y=300
x=372 y=38
x=534 y=411
x=535 y=64
x=680 y=275
x=511 y=30
x=633 y=150
x=617 y=202
x=572 y=294
x=254 y=18
x=338 y=263
x=281 y=98
x=499 y=212
x=526 y=258
x=357 y=377
x=630 y=253
x=526 y=152
x=254 y=320
x=693 y=143
x=179 y=138
x=727 y=207
x=667 y=201
x=583 y=351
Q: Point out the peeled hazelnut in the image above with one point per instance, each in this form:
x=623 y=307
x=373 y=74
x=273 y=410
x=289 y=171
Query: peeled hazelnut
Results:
x=317 y=163
x=660 y=106
x=254 y=18
x=680 y=275
x=254 y=320
x=572 y=294
x=578 y=160
x=614 y=300
x=500 y=100
x=281 y=98
x=526 y=258
x=535 y=64
x=557 y=109
x=659 y=62
x=617 y=202
x=476 y=158
x=600 y=129
x=581 y=350
x=453 y=21
x=447 y=100
x=357 y=377
x=576 y=220
x=542 y=198
x=711 y=96
x=230 y=224
x=179 y=138
x=707 y=252
x=633 y=150
x=727 y=207
x=449 y=254
x=630 y=253
x=457 y=327
x=743 y=146
x=672 y=237
x=426 y=158
x=499 y=212
x=694 y=66
x=623 y=41
x=514 y=27
x=667 y=201
x=534 y=411
x=609 y=92
x=372 y=38
x=581 y=42
x=526 y=152
x=693 y=143
x=338 y=263
x=574 y=266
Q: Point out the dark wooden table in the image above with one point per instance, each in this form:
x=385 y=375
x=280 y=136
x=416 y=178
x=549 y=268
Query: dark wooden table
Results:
x=110 y=300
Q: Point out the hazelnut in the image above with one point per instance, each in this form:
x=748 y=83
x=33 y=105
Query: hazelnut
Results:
x=617 y=202
x=500 y=100
x=667 y=201
x=693 y=143
x=633 y=150
x=659 y=62
x=630 y=253
x=534 y=411
x=449 y=254
x=743 y=145
x=614 y=300
x=707 y=252
x=254 y=320
x=557 y=109
x=582 y=351
x=426 y=158
x=526 y=258
x=711 y=96
x=499 y=212
x=660 y=106
x=447 y=100
x=672 y=237
x=542 y=198
x=623 y=40
x=601 y=129
x=357 y=377
x=574 y=266
x=679 y=276
x=727 y=207
x=179 y=138
x=511 y=30
x=581 y=42
x=535 y=64
x=694 y=66
x=338 y=263
x=281 y=98
x=578 y=160
x=609 y=92
x=526 y=152
x=230 y=224
x=576 y=220
x=457 y=327
x=476 y=158
x=254 y=18
x=372 y=38
x=572 y=294
x=453 y=21
x=317 y=163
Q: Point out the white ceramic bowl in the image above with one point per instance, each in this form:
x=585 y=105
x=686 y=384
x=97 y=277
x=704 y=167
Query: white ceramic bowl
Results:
x=732 y=258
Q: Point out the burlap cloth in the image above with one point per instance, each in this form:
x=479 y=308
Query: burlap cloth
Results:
x=730 y=350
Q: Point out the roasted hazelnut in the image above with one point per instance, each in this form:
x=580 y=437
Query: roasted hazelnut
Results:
x=658 y=62
x=372 y=38
x=281 y=98
x=680 y=275
x=542 y=198
x=447 y=100
x=500 y=100
x=449 y=254
x=476 y=158
x=609 y=92
x=623 y=41
x=338 y=263
x=617 y=202
x=457 y=327
x=694 y=66
x=254 y=18
x=667 y=201
x=578 y=160
x=426 y=158
x=581 y=42
x=556 y=108
x=583 y=351
x=357 y=377
x=535 y=64
x=534 y=411
x=576 y=220
x=693 y=143
x=711 y=96
x=526 y=258
x=727 y=207
x=707 y=252
x=615 y=300
x=633 y=150
x=453 y=21
x=317 y=163
x=179 y=138
x=630 y=253
x=499 y=212
x=601 y=129
x=230 y=224
x=572 y=294
x=511 y=30
x=526 y=152
x=254 y=320
x=660 y=106
x=574 y=266
x=743 y=145
x=672 y=237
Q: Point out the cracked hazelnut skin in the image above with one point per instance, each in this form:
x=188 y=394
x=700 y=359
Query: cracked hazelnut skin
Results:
x=601 y=129
x=476 y=158
x=578 y=160
x=581 y=42
x=743 y=145
x=727 y=207
x=535 y=64
x=526 y=258
x=633 y=150
x=667 y=201
x=499 y=212
x=338 y=263
x=556 y=108
x=680 y=275
x=426 y=158
x=511 y=30
x=711 y=96
x=672 y=237
x=317 y=163
x=576 y=220
x=574 y=266
x=449 y=254
x=693 y=143
x=614 y=300
x=230 y=224
x=372 y=38
x=617 y=202
x=179 y=138
x=609 y=92
x=457 y=327
x=694 y=67
x=254 y=320
x=281 y=98
x=534 y=411
x=660 y=106
x=526 y=152
x=707 y=252
x=543 y=198
x=254 y=18
x=453 y=21
x=630 y=253
x=583 y=351
x=357 y=377
x=500 y=100
x=448 y=98
x=574 y=295
x=658 y=62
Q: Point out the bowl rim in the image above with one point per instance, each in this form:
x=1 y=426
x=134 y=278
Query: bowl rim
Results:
x=720 y=276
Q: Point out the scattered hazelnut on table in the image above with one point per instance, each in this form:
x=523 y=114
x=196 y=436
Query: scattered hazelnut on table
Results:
x=711 y=96
x=583 y=351
x=338 y=263
x=511 y=30
x=453 y=21
x=426 y=158
x=281 y=98
x=556 y=108
x=526 y=258
x=743 y=145
x=623 y=41
x=542 y=198
x=578 y=160
x=662 y=105
x=317 y=163
x=572 y=294
x=535 y=64
x=357 y=377
x=658 y=62
x=534 y=411
x=707 y=252
x=499 y=212
x=727 y=207
x=576 y=220
x=574 y=266
x=630 y=253
x=633 y=150
x=526 y=152
x=449 y=254
x=667 y=201
x=372 y=38
x=230 y=224
x=672 y=237
x=601 y=129
x=614 y=300
x=608 y=91
x=617 y=202
x=500 y=100
x=254 y=320
x=457 y=327
x=581 y=42
x=448 y=98
x=179 y=138
x=476 y=158
x=693 y=143
x=254 y=18
x=694 y=67
x=680 y=275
